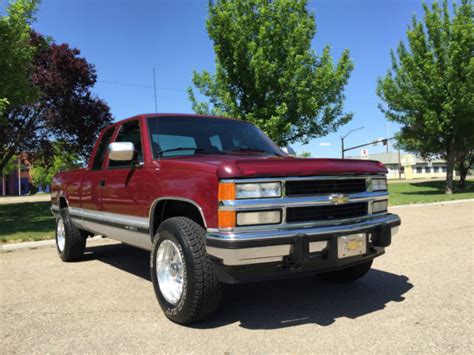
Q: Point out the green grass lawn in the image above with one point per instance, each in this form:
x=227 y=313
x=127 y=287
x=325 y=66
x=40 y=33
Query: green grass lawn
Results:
x=26 y=221
x=405 y=193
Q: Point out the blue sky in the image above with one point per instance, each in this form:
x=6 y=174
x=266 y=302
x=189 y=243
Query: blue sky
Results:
x=125 y=39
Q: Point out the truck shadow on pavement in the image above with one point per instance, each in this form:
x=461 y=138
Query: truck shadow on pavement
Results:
x=281 y=303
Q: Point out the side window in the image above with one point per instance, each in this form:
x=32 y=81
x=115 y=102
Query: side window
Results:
x=100 y=154
x=129 y=132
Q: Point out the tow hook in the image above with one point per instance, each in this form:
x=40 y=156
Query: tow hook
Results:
x=299 y=253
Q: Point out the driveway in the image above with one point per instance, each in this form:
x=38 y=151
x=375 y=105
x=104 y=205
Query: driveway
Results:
x=418 y=298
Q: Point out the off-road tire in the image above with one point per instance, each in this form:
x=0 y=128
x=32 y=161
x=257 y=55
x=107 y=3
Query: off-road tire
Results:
x=348 y=274
x=202 y=292
x=75 y=242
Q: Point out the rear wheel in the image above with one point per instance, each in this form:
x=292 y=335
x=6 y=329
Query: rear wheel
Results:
x=70 y=240
x=348 y=274
x=183 y=276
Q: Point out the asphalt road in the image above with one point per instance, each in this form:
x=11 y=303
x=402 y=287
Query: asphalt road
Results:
x=417 y=299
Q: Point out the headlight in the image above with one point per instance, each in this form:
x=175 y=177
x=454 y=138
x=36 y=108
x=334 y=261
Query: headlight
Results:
x=261 y=217
x=258 y=190
x=379 y=184
x=379 y=206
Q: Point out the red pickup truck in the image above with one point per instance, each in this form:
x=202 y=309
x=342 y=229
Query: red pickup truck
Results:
x=216 y=201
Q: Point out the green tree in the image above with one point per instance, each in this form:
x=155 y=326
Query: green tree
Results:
x=266 y=72
x=429 y=89
x=305 y=155
x=17 y=52
x=43 y=170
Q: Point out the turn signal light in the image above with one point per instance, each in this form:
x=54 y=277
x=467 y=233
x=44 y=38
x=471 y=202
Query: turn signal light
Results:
x=226 y=191
x=226 y=219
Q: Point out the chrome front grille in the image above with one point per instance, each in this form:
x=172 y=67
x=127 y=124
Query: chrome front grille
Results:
x=311 y=201
x=326 y=213
x=325 y=187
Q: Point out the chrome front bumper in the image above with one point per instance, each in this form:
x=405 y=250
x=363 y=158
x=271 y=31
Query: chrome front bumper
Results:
x=265 y=246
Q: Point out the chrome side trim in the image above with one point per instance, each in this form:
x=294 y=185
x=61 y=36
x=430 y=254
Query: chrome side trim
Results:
x=140 y=222
x=136 y=239
x=284 y=202
x=252 y=235
x=116 y=226
x=175 y=198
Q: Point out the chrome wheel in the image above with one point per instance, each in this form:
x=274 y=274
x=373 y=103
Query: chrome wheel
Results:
x=60 y=235
x=170 y=271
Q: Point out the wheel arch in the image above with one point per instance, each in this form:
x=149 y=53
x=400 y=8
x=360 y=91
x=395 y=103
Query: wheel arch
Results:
x=63 y=202
x=172 y=206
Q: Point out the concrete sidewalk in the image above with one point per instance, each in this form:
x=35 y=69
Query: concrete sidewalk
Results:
x=40 y=197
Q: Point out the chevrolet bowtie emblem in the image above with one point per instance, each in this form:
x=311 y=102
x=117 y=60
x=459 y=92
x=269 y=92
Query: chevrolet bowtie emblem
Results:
x=338 y=198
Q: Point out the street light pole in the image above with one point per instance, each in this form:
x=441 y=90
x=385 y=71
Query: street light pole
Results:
x=342 y=147
x=344 y=137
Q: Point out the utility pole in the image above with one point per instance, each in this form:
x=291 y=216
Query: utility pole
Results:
x=388 y=135
x=344 y=137
x=399 y=165
x=19 y=175
x=154 y=88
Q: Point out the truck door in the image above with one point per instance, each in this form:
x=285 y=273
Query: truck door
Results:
x=90 y=199
x=91 y=183
x=121 y=192
x=123 y=200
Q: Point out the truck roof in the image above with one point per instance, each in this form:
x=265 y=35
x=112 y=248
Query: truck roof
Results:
x=177 y=115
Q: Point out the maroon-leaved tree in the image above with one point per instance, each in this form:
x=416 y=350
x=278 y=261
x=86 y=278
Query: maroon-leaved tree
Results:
x=66 y=110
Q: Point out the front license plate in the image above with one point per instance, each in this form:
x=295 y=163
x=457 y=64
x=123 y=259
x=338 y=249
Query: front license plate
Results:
x=350 y=245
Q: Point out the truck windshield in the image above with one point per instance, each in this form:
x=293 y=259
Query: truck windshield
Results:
x=184 y=136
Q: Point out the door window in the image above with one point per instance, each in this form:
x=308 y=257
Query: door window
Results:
x=129 y=132
x=100 y=154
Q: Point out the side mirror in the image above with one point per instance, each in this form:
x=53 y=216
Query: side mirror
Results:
x=289 y=151
x=121 y=151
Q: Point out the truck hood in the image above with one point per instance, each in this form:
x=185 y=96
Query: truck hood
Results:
x=238 y=166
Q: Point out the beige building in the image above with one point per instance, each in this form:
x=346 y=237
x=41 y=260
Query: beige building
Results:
x=408 y=166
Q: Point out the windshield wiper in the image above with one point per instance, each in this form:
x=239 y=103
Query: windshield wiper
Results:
x=252 y=150
x=200 y=150
x=178 y=149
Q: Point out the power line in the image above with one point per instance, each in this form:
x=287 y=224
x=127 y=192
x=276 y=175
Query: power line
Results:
x=139 y=85
x=181 y=90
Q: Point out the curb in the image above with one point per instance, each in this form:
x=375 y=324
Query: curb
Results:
x=5 y=248
x=41 y=244
x=415 y=205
